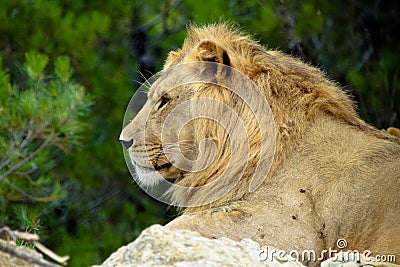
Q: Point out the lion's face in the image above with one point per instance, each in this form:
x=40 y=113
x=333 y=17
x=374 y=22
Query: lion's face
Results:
x=167 y=149
x=154 y=149
x=207 y=123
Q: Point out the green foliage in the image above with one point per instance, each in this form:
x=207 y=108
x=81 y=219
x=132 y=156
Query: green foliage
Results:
x=63 y=68
x=70 y=173
x=24 y=243
x=29 y=223
x=38 y=120
x=4 y=84
x=311 y=21
x=35 y=64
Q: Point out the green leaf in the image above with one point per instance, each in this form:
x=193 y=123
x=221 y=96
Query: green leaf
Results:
x=5 y=86
x=27 y=102
x=35 y=63
x=63 y=68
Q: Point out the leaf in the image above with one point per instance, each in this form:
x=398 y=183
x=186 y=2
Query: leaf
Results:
x=63 y=68
x=28 y=103
x=35 y=63
x=5 y=86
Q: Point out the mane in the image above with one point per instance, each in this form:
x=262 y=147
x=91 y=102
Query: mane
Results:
x=288 y=77
x=296 y=91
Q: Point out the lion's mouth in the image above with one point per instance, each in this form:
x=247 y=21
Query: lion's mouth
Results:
x=155 y=168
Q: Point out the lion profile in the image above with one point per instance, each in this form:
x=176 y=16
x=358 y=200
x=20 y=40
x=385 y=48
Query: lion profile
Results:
x=332 y=177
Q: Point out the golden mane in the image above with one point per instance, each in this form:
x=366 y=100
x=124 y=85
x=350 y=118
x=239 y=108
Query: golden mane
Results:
x=277 y=74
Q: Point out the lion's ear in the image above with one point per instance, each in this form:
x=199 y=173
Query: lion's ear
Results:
x=209 y=51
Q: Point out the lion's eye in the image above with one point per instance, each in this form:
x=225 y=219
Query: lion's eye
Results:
x=163 y=102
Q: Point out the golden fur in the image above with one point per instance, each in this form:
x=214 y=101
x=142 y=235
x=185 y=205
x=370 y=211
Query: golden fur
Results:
x=333 y=175
x=394 y=131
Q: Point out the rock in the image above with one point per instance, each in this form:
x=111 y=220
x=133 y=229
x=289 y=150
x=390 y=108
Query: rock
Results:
x=7 y=260
x=158 y=246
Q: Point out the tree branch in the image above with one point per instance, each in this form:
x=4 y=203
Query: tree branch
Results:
x=28 y=158
x=22 y=192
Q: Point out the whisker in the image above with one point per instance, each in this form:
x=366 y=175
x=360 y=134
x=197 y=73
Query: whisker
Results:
x=145 y=85
x=177 y=149
x=176 y=145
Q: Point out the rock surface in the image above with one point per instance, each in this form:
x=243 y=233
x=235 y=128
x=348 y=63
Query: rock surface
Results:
x=8 y=260
x=158 y=246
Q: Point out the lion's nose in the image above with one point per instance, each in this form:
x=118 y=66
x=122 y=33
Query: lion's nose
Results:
x=126 y=144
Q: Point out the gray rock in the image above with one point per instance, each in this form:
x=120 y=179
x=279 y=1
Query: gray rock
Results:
x=158 y=246
x=9 y=260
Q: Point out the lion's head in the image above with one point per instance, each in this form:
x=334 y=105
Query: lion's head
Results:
x=195 y=147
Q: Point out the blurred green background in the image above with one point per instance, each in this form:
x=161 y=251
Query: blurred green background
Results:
x=69 y=68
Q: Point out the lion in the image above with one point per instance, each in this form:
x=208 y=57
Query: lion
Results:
x=333 y=177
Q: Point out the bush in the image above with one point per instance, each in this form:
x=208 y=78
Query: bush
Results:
x=41 y=121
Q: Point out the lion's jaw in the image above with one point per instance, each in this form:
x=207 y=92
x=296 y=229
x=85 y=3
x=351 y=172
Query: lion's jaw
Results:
x=151 y=172
x=146 y=176
x=156 y=150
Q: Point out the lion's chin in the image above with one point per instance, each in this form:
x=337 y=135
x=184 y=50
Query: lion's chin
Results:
x=147 y=177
